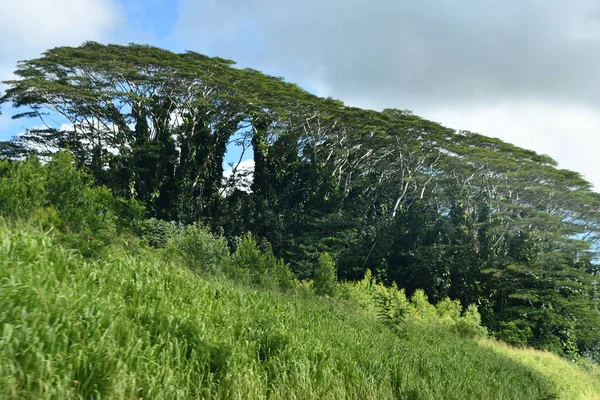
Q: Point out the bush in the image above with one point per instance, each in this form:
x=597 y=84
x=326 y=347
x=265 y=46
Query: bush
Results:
x=262 y=268
x=515 y=333
x=365 y=293
x=448 y=310
x=22 y=188
x=469 y=325
x=202 y=251
x=157 y=232
x=281 y=273
x=421 y=308
x=60 y=195
x=325 y=283
x=128 y=212
x=392 y=306
x=248 y=256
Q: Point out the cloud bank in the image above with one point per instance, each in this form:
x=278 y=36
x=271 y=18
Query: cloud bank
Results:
x=527 y=71
x=413 y=52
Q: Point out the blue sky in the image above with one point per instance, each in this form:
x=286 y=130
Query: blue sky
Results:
x=526 y=71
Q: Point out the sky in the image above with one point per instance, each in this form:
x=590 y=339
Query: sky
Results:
x=525 y=71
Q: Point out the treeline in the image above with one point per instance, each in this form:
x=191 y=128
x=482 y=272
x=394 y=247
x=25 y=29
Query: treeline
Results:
x=60 y=202
x=457 y=214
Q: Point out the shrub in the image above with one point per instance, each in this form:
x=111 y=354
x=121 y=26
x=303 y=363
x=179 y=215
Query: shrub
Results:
x=202 y=251
x=248 y=256
x=364 y=293
x=262 y=267
x=59 y=194
x=449 y=310
x=128 y=212
x=469 y=325
x=157 y=232
x=22 y=187
x=514 y=332
x=421 y=308
x=325 y=283
x=392 y=306
x=283 y=275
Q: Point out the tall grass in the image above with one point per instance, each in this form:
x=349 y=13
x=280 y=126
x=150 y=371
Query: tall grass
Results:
x=130 y=325
x=572 y=381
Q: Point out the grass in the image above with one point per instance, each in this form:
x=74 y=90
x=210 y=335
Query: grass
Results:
x=130 y=325
x=572 y=381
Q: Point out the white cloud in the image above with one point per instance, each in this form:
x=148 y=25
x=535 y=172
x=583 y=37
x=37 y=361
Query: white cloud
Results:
x=242 y=179
x=28 y=27
x=569 y=134
x=411 y=53
x=527 y=71
x=243 y=167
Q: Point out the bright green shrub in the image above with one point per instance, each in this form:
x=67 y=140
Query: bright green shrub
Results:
x=157 y=232
x=248 y=256
x=325 y=283
x=515 y=333
x=363 y=293
x=60 y=195
x=262 y=268
x=23 y=187
x=281 y=273
x=448 y=310
x=469 y=325
x=392 y=306
x=201 y=250
x=421 y=309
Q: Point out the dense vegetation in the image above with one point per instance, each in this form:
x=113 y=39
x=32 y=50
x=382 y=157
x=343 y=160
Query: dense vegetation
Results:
x=124 y=326
x=88 y=310
x=335 y=191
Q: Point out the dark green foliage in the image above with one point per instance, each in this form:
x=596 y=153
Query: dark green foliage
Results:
x=58 y=194
x=418 y=252
x=517 y=333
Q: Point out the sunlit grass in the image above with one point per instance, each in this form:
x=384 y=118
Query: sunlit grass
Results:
x=132 y=326
x=573 y=382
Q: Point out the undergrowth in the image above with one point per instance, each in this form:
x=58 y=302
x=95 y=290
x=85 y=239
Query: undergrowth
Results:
x=96 y=302
x=128 y=324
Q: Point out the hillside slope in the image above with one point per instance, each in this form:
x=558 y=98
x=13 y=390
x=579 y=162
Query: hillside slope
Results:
x=131 y=326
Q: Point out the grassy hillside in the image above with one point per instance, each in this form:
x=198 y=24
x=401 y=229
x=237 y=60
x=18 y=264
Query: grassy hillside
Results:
x=572 y=381
x=128 y=325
